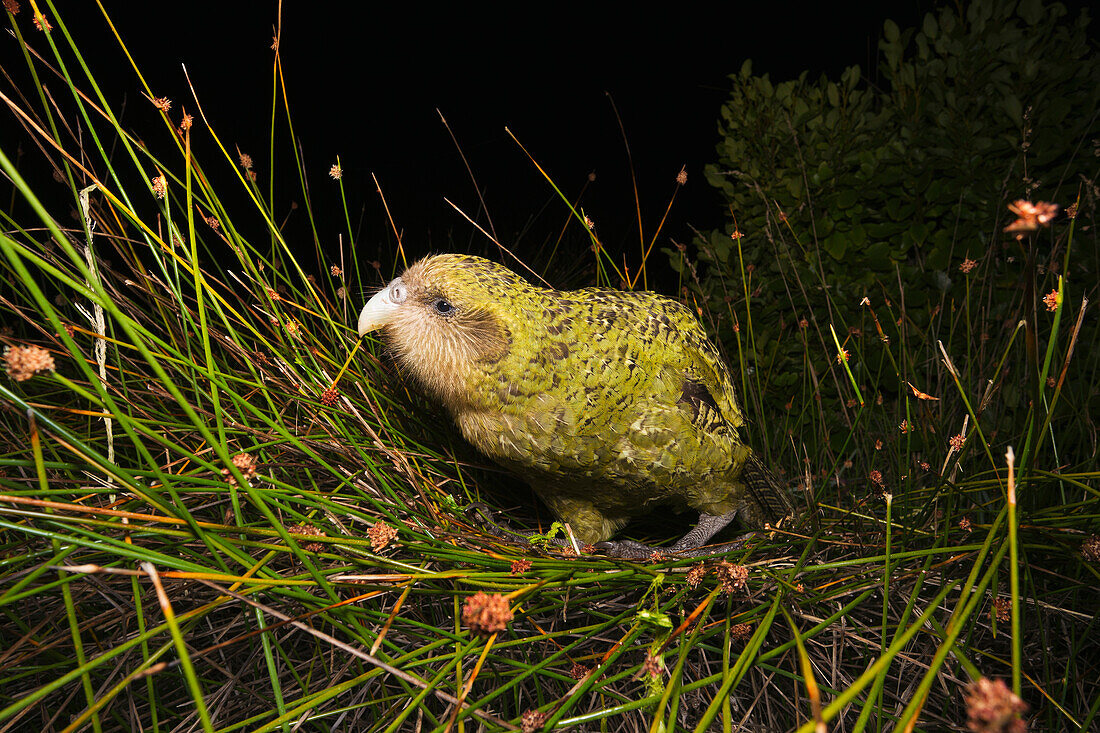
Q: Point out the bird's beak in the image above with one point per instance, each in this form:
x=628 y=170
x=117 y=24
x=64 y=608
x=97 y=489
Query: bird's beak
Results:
x=380 y=309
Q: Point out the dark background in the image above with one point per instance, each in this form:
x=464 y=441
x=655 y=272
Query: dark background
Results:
x=364 y=82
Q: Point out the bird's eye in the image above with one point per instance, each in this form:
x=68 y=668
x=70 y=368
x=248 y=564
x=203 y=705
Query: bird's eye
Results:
x=443 y=307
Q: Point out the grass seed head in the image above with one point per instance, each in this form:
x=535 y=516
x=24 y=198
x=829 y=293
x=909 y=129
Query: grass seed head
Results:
x=992 y=708
x=381 y=534
x=486 y=613
x=22 y=362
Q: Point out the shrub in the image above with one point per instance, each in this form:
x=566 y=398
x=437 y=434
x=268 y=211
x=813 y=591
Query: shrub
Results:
x=896 y=191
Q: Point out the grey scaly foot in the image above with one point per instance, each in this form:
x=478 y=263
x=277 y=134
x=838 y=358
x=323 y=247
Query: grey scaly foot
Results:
x=627 y=549
x=690 y=545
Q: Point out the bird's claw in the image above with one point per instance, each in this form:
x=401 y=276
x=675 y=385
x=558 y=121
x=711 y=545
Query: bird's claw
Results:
x=485 y=519
x=480 y=507
x=626 y=549
x=631 y=550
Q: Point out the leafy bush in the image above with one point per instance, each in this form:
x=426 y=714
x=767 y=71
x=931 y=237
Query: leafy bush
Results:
x=896 y=191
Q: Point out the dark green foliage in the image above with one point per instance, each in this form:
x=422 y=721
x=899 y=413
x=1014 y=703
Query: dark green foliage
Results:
x=846 y=189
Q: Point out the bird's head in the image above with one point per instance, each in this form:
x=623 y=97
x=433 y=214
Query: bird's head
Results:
x=445 y=316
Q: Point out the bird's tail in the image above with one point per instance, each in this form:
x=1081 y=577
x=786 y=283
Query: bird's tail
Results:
x=767 y=491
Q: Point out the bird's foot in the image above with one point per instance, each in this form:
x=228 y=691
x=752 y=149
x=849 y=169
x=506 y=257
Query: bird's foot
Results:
x=627 y=549
x=722 y=549
x=500 y=530
x=631 y=550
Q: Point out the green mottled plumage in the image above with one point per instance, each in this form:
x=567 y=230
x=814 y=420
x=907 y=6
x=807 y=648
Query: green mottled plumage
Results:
x=606 y=402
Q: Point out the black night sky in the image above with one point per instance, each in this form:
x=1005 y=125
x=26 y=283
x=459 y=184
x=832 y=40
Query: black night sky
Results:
x=365 y=81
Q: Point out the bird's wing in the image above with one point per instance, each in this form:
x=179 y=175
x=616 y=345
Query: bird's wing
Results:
x=712 y=385
x=707 y=379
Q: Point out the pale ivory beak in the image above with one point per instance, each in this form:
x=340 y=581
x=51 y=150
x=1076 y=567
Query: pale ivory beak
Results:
x=380 y=309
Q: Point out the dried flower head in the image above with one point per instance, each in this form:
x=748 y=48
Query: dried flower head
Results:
x=588 y=222
x=310 y=531
x=736 y=234
x=1030 y=217
x=24 y=361
x=967 y=265
x=876 y=477
x=381 y=534
x=160 y=186
x=579 y=671
x=162 y=103
x=293 y=329
x=486 y=614
x=1071 y=210
x=532 y=721
x=964 y=525
x=682 y=176
x=732 y=577
x=957 y=442
x=12 y=6
x=905 y=426
x=246 y=160
x=695 y=575
x=329 y=396
x=185 y=122
x=336 y=271
x=336 y=172
x=741 y=631
x=993 y=708
x=520 y=566
x=1002 y=609
x=42 y=23
x=842 y=356
x=245 y=463
x=1051 y=300
x=1090 y=548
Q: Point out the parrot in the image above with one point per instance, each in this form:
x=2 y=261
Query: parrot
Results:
x=608 y=403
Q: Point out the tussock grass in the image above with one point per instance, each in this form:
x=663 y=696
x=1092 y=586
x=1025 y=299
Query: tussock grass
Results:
x=218 y=512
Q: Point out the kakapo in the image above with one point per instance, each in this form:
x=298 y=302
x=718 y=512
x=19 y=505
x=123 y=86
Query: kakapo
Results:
x=608 y=403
